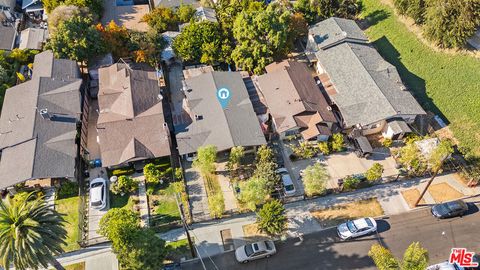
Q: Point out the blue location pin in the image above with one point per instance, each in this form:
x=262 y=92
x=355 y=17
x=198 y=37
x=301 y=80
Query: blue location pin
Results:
x=223 y=95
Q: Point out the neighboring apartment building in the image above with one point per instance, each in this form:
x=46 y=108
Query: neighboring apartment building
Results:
x=295 y=102
x=38 y=123
x=131 y=124
x=207 y=123
x=366 y=89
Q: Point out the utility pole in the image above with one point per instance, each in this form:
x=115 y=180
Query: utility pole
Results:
x=185 y=227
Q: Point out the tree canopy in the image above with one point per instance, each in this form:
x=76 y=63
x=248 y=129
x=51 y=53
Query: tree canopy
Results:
x=317 y=10
x=31 y=233
x=261 y=36
x=271 y=218
x=205 y=160
x=374 y=172
x=253 y=192
x=64 y=12
x=315 y=179
x=414 y=258
x=96 y=6
x=77 y=39
x=161 y=19
x=202 y=42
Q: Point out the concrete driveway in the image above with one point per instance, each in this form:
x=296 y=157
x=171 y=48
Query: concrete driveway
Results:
x=342 y=164
x=94 y=215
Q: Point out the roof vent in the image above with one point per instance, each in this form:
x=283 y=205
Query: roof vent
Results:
x=160 y=97
x=44 y=113
x=329 y=108
x=198 y=117
x=403 y=88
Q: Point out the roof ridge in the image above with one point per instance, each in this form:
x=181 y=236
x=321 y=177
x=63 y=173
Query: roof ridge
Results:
x=212 y=74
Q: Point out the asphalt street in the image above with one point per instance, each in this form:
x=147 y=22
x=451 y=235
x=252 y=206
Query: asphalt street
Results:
x=324 y=250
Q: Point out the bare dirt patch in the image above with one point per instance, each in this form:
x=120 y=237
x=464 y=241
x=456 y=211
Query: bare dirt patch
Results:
x=340 y=213
x=251 y=233
x=411 y=196
x=444 y=192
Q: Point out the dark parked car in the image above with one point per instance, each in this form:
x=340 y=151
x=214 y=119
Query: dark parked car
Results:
x=450 y=209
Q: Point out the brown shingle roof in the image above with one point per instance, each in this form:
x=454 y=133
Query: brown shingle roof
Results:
x=293 y=97
x=131 y=124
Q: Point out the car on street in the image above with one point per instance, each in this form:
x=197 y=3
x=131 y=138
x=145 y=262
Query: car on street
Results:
x=98 y=193
x=288 y=187
x=356 y=228
x=449 y=209
x=254 y=251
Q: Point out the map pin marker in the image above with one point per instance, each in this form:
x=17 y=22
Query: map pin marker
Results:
x=223 y=95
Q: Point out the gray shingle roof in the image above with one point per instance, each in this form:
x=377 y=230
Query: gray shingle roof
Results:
x=368 y=88
x=7 y=40
x=33 y=38
x=235 y=125
x=131 y=120
x=34 y=147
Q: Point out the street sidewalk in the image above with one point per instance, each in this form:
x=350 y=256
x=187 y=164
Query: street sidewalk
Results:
x=209 y=240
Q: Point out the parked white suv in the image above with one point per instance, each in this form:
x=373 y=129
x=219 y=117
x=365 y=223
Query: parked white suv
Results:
x=288 y=187
x=98 y=193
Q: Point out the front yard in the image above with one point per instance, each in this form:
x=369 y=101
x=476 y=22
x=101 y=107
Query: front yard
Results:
x=163 y=207
x=443 y=83
x=69 y=208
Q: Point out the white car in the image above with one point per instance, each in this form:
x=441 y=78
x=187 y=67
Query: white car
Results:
x=356 y=228
x=254 y=251
x=445 y=266
x=288 y=187
x=98 y=193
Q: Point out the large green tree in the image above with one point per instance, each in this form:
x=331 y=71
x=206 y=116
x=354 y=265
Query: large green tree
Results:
x=96 y=6
x=202 y=42
x=414 y=258
x=265 y=167
x=254 y=192
x=317 y=10
x=271 y=218
x=136 y=248
x=262 y=37
x=161 y=19
x=449 y=23
x=31 y=233
x=315 y=179
x=63 y=13
x=412 y=8
x=77 y=39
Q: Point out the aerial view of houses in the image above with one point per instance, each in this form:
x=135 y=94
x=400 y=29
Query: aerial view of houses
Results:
x=222 y=134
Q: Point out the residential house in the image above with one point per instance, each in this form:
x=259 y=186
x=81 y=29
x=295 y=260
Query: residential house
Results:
x=366 y=89
x=202 y=14
x=33 y=38
x=206 y=122
x=131 y=124
x=295 y=102
x=7 y=5
x=38 y=123
x=33 y=8
x=8 y=31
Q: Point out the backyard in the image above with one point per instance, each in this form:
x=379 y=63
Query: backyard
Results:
x=443 y=83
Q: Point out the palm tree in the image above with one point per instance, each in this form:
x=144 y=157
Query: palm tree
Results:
x=31 y=233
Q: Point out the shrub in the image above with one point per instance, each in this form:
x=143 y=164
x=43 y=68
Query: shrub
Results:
x=304 y=150
x=124 y=185
x=271 y=218
x=178 y=174
x=350 y=183
x=324 y=148
x=337 y=142
x=387 y=142
x=150 y=190
x=315 y=179
x=67 y=189
x=216 y=205
x=123 y=171
x=205 y=160
x=152 y=174
x=411 y=138
x=375 y=172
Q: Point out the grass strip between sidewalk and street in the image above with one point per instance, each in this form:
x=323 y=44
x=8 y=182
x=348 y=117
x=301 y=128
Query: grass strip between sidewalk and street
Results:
x=411 y=196
x=338 y=214
x=443 y=192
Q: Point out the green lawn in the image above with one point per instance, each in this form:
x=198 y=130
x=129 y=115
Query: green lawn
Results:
x=69 y=207
x=178 y=249
x=163 y=206
x=443 y=83
x=118 y=201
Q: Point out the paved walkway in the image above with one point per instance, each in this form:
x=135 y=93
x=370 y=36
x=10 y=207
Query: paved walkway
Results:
x=50 y=197
x=142 y=204
x=228 y=194
x=209 y=241
x=197 y=194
